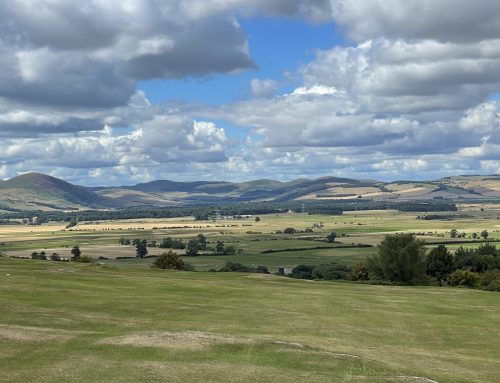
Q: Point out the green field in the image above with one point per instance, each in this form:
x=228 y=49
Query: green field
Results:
x=67 y=322
x=118 y=320
x=252 y=238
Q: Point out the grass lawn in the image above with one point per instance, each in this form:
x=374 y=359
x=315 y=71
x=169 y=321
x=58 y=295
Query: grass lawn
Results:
x=67 y=322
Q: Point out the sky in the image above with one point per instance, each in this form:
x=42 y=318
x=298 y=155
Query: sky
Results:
x=124 y=91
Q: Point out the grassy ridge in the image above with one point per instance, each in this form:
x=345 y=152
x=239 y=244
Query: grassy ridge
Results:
x=55 y=317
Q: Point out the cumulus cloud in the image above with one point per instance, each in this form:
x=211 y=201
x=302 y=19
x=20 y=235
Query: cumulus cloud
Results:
x=408 y=95
x=263 y=88
x=443 y=20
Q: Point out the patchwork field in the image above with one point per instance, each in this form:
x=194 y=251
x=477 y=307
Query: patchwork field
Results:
x=252 y=240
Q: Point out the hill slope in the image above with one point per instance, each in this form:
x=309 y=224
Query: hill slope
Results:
x=34 y=191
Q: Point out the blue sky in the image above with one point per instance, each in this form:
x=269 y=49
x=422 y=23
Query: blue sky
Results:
x=277 y=45
x=236 y=90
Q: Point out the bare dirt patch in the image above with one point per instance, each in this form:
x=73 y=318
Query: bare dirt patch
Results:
x=177 y=340
x=34 y=334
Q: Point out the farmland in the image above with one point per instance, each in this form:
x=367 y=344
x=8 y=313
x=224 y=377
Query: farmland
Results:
x=118 y=320
x=253 y=239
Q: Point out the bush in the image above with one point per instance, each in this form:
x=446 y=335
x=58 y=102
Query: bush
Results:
x=262 y=270
x=84 y=259
x=490 y=280
x=40 y=256
x=237 y=267
x=331 y=271
x=359 y=272
x=172 y=261
x=464 y=278
x=302 y=272
x=289 y=230
x=55 y=257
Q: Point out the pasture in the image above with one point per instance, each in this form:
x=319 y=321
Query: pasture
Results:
x=118 y=320
x=252 y=240
x=68 y=322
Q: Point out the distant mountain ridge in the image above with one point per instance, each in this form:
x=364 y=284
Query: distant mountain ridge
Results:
x=35 y=191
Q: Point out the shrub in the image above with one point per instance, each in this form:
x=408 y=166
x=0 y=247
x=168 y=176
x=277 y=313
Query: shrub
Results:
x=40 y=256
x=289 y=230
x=237 y=267
x=490 y=280
x=262 y=270
x=55 y=257
x=464 y=278
x=331 y=271
x=359 y=272
x=84 y=259
x=302 y=272
x=172 y=261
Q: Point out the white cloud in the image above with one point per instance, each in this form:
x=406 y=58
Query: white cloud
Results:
x=263 y=88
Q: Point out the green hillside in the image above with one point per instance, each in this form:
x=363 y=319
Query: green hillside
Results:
x=34 y=191
x=81 y=323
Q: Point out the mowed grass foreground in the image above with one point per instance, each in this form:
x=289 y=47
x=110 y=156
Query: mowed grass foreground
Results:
x=65 y=322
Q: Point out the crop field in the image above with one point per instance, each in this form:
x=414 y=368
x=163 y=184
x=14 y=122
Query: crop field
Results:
x=257 y=243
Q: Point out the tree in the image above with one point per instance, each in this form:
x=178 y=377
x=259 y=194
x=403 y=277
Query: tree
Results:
x=141 y=249
x=331 y=237
x=192 y=248
x=202 y=242
x=453 y=233
x=170 y=260
x=487 y=249
x=439 y=263
x=400 y=258
x=257 y=219
x=229 y=250
x=485 y=234
x=289 y=230
x=219 y=248
x=76 y=252
x=474 y=235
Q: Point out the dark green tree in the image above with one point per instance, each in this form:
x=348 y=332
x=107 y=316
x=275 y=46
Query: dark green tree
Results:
x=141 y=249
x=76 y=252
x=453 y=233
x=485 y=234
x=439 y=263
x=192 y=248
x=400 y=258
x=331 y=237
x=219 y=247
x=202 y=242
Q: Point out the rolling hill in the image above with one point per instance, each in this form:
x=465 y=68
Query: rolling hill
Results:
x=34 y=191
